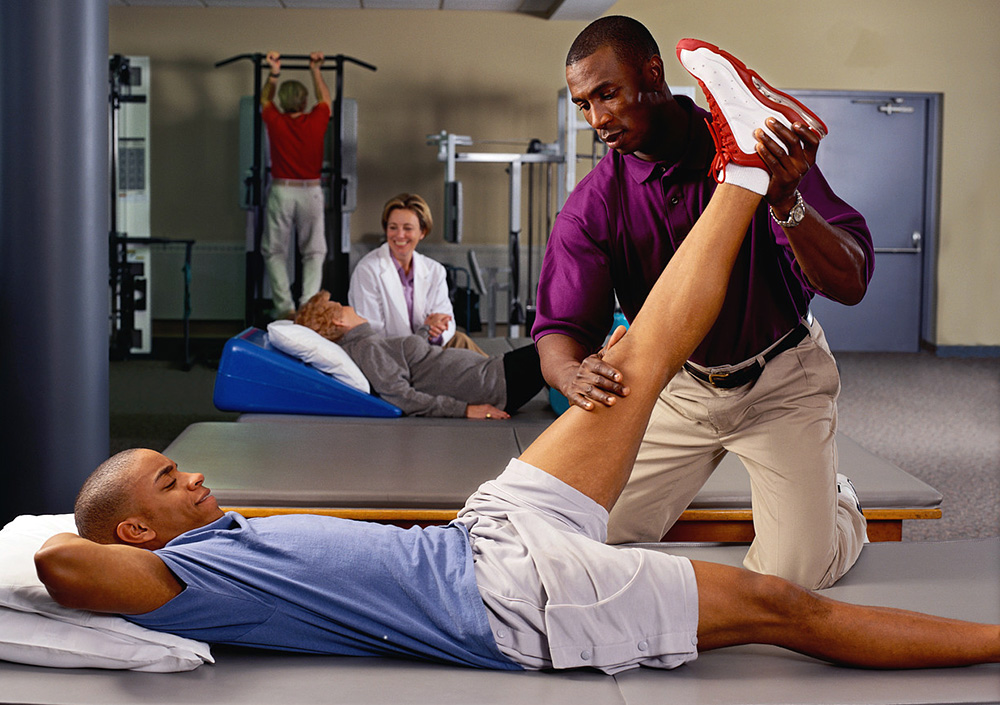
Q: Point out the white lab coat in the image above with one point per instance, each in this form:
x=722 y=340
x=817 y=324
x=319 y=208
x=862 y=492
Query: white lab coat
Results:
x=377 y=294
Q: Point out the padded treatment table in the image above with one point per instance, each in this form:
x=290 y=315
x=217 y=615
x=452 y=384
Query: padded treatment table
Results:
x=954 y=579
x=421 y=470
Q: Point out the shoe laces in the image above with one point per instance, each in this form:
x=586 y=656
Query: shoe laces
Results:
x=722 y=157
x=722 y=136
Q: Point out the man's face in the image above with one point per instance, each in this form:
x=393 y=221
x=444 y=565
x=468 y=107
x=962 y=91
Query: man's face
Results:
x=171 y=502
x=616 y=99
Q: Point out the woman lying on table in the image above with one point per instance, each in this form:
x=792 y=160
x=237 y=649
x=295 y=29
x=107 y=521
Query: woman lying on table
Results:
x=424 y=379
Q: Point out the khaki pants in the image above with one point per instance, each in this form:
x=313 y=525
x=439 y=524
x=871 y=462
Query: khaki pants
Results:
x=300 y=209
x=461 y=341
x=783 y=429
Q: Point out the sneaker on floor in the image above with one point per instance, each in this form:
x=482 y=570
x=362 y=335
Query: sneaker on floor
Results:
x=740 y=101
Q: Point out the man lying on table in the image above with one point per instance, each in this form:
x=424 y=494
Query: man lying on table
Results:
x=522 y=578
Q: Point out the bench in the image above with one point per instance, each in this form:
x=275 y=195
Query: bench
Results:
x=420 y=471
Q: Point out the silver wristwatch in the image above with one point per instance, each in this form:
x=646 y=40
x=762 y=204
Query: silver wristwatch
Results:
x=795 y=215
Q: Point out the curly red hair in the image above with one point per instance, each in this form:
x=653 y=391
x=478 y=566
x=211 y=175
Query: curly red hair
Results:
x=322 y=315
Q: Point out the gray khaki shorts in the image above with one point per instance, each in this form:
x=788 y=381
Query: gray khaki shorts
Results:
x=558 y=597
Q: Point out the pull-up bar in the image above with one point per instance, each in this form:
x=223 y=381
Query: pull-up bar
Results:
x=335 y=277
x=337 y=58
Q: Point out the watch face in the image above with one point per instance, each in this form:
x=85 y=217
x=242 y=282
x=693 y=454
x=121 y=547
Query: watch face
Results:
x=798 y=213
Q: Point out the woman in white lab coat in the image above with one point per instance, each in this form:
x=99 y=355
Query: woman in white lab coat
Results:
x=398 y=290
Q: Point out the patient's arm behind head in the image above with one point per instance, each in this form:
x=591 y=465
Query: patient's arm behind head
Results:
x=116 y=578
x=133 y=503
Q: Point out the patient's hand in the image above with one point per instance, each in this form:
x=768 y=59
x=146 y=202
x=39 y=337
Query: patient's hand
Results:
x=438 y=323
x=485 y=411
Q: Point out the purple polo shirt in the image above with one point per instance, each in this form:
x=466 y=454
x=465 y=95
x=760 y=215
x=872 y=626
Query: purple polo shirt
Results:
x=626 y=218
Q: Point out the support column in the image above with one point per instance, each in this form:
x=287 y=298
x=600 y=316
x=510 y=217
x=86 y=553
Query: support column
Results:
x=54 y=205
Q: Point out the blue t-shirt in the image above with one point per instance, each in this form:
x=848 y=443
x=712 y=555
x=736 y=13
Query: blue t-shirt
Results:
x=333 y=586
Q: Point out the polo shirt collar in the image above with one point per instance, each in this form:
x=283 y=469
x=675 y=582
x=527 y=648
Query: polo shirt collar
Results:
x=697 y=157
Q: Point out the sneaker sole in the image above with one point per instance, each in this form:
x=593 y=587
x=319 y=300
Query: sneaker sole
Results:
x=755 y=88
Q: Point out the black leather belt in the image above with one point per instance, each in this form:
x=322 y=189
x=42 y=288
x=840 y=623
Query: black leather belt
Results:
x=750 y=373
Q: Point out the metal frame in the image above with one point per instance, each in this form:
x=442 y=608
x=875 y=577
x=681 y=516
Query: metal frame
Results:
x=335 y=274
x=120 y=277
x=562 y=153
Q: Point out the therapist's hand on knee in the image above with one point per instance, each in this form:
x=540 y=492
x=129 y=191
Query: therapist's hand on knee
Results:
x=595 y=381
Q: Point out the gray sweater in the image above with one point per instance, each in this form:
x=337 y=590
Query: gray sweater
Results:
x=424 y=379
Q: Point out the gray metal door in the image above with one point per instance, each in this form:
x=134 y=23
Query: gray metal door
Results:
x=881 y=156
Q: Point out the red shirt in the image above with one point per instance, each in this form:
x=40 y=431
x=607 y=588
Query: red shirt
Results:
x=296 y=143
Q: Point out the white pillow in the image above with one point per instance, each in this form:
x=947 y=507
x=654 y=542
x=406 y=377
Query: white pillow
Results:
x=312 y=348
x=35 y=630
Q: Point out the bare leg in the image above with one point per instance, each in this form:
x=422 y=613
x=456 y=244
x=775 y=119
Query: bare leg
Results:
x=738 y=606
x=593 y=451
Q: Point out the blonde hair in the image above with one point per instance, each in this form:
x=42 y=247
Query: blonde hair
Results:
x=292 y=97
x=413 y=203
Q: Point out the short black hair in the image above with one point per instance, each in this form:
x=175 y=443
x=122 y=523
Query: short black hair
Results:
x=628 y=38
x=105 y=498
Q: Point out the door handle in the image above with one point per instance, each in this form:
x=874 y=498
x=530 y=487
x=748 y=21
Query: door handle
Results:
x=888 y=106
x=917 y=248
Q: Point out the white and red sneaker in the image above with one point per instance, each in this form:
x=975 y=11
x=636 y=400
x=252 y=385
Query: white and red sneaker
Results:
x=740 y=101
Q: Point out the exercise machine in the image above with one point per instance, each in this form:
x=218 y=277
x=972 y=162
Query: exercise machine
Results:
x=340 y=174
x=129 y=240
x=128 y=254
x=537 y=155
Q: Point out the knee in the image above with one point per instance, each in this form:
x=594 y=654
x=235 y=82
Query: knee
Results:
x=273 y=249
x=810 y=578
x=777 y=601
x=744 y=607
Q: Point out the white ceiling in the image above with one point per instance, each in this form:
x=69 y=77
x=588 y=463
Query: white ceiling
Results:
x=549 y=9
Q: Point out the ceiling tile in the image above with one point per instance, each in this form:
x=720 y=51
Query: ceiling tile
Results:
x=551 y=9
